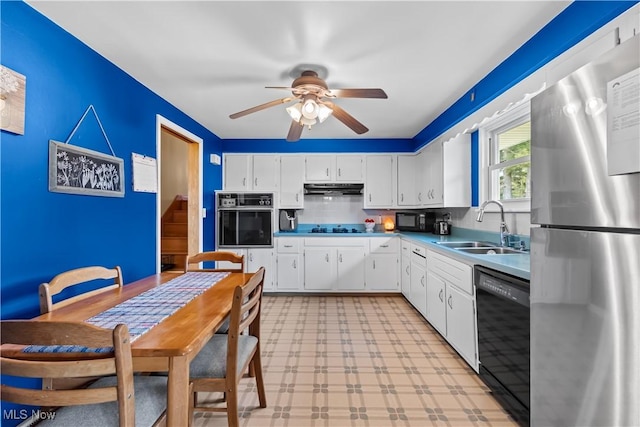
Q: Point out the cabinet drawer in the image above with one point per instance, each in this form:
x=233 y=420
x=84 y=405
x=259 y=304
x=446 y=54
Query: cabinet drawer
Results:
x=453 y=271
x=419 y=255
x=288 y=245
x=383 y=245
x=405 y=247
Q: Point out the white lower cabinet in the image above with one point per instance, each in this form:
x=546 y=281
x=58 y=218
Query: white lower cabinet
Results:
x=320 y=271
x=329 y=267
x=289 y=266
x=418 y=291
x=405 y=267
x=262 y=257
x=350 y=271
x=451 y=304
x=381 y=271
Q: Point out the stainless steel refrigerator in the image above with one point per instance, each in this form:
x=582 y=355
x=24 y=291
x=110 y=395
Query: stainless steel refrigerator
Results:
x=585 y=255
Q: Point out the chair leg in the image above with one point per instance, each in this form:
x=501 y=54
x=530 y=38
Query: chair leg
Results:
x=232 y=407
x=193 y=400
x=257 y=366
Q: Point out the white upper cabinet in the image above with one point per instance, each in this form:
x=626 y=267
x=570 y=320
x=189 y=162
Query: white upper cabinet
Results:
x=291 y=182
x=348 y=168
x=244 y=172
x=237 y=172
x=407 y=194
x=333 y=168
x=265 y=172
x=446 y=173
x=320 y=168
x=380 y=181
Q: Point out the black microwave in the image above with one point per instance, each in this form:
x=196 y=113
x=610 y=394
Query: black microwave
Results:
x=415 y=221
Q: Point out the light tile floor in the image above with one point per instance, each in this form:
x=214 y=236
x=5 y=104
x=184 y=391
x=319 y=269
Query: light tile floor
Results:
x=358 y=361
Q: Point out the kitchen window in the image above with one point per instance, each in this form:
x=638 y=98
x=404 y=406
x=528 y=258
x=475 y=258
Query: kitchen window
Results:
x=505 y=144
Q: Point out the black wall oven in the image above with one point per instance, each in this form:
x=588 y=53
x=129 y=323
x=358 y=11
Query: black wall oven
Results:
x=244 y=220
x=502 y=303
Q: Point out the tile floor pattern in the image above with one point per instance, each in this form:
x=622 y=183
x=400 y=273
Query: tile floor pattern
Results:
x=358 y=361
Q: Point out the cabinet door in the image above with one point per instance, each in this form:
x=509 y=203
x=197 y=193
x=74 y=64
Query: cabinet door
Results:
x=265 y=172
x=461 y=324
x=289 y=272
x=351 y=268
x=436 y=307
x=236 y=172
x=348 y=168
x=405 y=273
x=433 y=174
x=382 y=272
x=319 y=168
x=261 y=257
x=418 y=288
x=379 y=182
x=406 y=180
x=291 y=182
x=320 y=272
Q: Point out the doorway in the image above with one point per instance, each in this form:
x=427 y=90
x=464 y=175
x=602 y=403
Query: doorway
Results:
x=179 y=197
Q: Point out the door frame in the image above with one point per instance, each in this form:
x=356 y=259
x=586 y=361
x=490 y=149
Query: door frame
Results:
x=194 y=180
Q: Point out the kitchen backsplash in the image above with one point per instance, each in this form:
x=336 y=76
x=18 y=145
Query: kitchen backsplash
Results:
x=343 y=209
x=518 y=223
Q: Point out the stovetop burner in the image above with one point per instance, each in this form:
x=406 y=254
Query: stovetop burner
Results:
x=336 y=230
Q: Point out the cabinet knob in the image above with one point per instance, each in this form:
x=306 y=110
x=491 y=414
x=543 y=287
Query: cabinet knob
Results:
x=327 y=172
x=326 y=257
x=407 y=269
x=288 y=246
x=369 y=196
x=440 y=295
x=422 y=281
x=339 y=171
x=255 y=182
x=251 y=257
x=449 y=302
x=340 y=258
x=402 y=197
x=420 y=196
x=294 y=264
x=244 y=182
x=297 y=194
x=374 y=264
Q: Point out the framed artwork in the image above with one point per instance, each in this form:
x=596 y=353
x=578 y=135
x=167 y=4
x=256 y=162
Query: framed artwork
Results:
x=78 y=170
x=12 y=100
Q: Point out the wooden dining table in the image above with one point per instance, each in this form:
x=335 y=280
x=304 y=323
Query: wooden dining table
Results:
x=170 y=345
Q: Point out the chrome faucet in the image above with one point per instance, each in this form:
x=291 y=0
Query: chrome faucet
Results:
x=504 y=230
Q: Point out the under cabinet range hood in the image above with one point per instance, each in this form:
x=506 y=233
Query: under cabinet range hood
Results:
x=334 y=189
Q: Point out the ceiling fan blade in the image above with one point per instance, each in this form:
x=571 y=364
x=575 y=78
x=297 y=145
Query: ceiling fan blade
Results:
x=347 y=118
x=278 y=87
x=357 y=93
x=295 y=130
x=261 y=107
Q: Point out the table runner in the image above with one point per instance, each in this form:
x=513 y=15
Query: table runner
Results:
x=146 y=310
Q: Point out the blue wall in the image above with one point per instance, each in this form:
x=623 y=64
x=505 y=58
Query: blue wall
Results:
x=45 y=233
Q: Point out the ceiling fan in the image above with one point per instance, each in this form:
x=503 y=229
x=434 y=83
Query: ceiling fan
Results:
x=312 y=95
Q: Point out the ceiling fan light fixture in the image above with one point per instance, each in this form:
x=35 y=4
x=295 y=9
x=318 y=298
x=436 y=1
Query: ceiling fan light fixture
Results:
x=323 y=112
x=295 y=111
x=310 y=108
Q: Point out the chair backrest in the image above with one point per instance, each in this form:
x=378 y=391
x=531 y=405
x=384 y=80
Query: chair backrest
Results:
x=192 y=262
x=75 y=277
x=86 y=362
x=245 y=313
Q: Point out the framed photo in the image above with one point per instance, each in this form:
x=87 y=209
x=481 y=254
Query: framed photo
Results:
x=12 y=100
x=77 y=170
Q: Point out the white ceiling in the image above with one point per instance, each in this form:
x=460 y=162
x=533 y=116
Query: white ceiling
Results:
x=214 y=58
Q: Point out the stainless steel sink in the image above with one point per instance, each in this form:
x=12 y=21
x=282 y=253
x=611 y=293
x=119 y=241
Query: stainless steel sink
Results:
x=467 y=244
x=490 y=251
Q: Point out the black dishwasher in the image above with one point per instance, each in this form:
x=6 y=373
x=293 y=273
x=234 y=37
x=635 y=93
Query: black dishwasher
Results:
x=502 y=303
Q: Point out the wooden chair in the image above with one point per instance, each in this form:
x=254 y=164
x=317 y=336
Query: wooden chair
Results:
x=74 y=277
x=114 y=399
x=192 y=262
x=220 y=365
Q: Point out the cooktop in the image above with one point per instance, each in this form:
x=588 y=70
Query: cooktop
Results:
x=334 y=230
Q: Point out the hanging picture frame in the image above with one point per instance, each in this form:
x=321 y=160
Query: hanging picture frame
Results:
x=78 y=170
x=13 y=87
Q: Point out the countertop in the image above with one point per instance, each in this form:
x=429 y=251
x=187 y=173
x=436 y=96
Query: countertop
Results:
x=515 y=264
